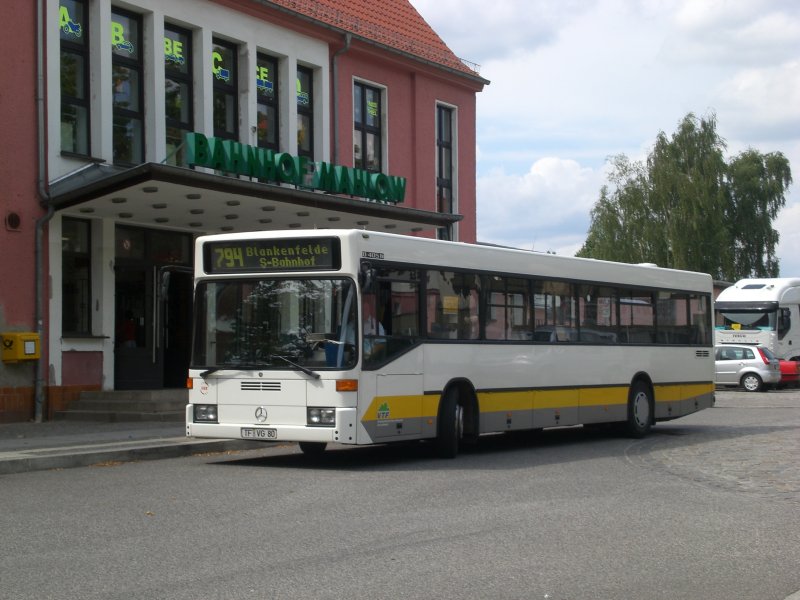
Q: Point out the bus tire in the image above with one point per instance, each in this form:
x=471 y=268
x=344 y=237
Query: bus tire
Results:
x=640 y=410
x=312 y=448
x=450 y=428
x=752 y=382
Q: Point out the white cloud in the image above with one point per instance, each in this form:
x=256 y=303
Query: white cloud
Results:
x=540 y=209
x=763 y=104
x=756 y=32
x=479 y=31
x=573 y=83
x=788 y=225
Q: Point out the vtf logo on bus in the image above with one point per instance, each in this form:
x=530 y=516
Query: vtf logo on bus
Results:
x=66 y=23
x=383 y=411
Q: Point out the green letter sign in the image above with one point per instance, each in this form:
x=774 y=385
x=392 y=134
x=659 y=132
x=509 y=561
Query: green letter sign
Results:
x=265 y=165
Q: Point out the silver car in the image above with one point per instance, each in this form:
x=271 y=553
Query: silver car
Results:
x=751 y=367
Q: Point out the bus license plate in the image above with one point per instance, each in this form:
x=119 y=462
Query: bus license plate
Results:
x=259 y=433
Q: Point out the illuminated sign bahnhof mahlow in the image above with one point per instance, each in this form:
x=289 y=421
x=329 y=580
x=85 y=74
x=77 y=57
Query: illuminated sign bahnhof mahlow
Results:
x=268 y=166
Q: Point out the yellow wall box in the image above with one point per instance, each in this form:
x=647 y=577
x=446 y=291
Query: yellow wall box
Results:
x=19 y=346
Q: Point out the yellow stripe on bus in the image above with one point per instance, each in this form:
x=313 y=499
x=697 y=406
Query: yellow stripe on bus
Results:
x=604 y=396
x=427 y=405
x=682 y=391
x=398 y=407
x=505 y=401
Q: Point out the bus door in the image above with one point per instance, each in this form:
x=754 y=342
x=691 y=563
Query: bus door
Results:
x=390 y=315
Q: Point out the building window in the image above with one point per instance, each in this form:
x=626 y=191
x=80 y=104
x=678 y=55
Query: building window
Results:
x=74 y=33
x=178 y=91
x=367 y=134
x=127 y=78
x=76 y=285
x=444 y=167
x=226 y=106
x=305 y=112
x=267 y=102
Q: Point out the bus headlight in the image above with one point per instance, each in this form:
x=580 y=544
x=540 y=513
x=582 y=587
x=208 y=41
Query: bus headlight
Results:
x=205 y=413
x=325 y=417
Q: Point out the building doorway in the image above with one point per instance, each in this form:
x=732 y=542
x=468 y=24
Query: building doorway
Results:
x=153 y=308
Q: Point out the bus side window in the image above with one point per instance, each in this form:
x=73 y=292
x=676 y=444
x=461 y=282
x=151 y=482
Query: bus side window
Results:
x=397 y=311
x=442 y=305
x=403 y=309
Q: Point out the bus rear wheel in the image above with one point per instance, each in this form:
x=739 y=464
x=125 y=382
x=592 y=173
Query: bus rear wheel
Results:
x=640 y=410
x=450 y=425
x=312 y=448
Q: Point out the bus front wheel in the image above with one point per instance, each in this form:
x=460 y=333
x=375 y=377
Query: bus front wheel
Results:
x=450 y=425
x=640 y=410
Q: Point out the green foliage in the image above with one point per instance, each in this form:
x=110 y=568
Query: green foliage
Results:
x=687 y=208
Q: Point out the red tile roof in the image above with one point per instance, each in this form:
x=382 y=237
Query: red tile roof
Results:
x=393 y=23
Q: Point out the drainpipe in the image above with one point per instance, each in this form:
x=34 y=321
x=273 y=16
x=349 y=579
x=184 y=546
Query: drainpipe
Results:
x=347 y=39
x=41 y=223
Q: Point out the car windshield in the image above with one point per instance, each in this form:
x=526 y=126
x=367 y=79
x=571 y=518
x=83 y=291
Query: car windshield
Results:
x=274 y=323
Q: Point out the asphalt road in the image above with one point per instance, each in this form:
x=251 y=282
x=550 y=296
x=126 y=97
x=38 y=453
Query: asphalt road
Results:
x=707 y=506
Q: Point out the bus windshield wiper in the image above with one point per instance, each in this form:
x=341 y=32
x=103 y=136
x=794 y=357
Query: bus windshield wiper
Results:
x=305 y=370
x=241 y=366
x=246 y=366
x=208 y=372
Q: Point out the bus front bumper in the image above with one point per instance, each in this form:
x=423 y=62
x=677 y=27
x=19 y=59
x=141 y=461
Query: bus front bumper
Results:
x=343 y=432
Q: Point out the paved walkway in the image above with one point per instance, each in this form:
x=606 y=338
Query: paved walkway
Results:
x=64 y=444
x=747 y=443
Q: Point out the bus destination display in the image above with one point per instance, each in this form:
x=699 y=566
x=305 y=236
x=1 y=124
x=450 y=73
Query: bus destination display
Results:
x=301 y=254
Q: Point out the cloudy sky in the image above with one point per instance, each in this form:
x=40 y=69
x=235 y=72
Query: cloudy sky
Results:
x=574 y=82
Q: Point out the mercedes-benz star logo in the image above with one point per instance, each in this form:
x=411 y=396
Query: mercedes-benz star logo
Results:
x=261 y=414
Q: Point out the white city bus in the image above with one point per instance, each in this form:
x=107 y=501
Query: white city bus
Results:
x=357 y=337
x=764 y=312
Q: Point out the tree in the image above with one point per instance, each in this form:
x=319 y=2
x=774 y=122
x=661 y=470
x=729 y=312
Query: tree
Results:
x=685 y=207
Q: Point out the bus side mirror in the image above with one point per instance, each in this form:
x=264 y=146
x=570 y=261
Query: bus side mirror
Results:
x=366 y=276
x=165 y=284
x=784 y=321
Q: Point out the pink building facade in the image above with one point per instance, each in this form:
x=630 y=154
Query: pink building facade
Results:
x=105 y=184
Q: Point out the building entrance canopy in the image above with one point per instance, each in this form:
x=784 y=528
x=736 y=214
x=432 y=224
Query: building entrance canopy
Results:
x=157 y=195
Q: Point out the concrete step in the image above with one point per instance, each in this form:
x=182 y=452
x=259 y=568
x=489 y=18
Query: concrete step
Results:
x=127 y=406
x=132 y=406
x=119 y=416
x=178 y=394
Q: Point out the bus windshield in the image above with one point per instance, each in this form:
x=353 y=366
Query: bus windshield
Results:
x=275 y=323
x=747 y=319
